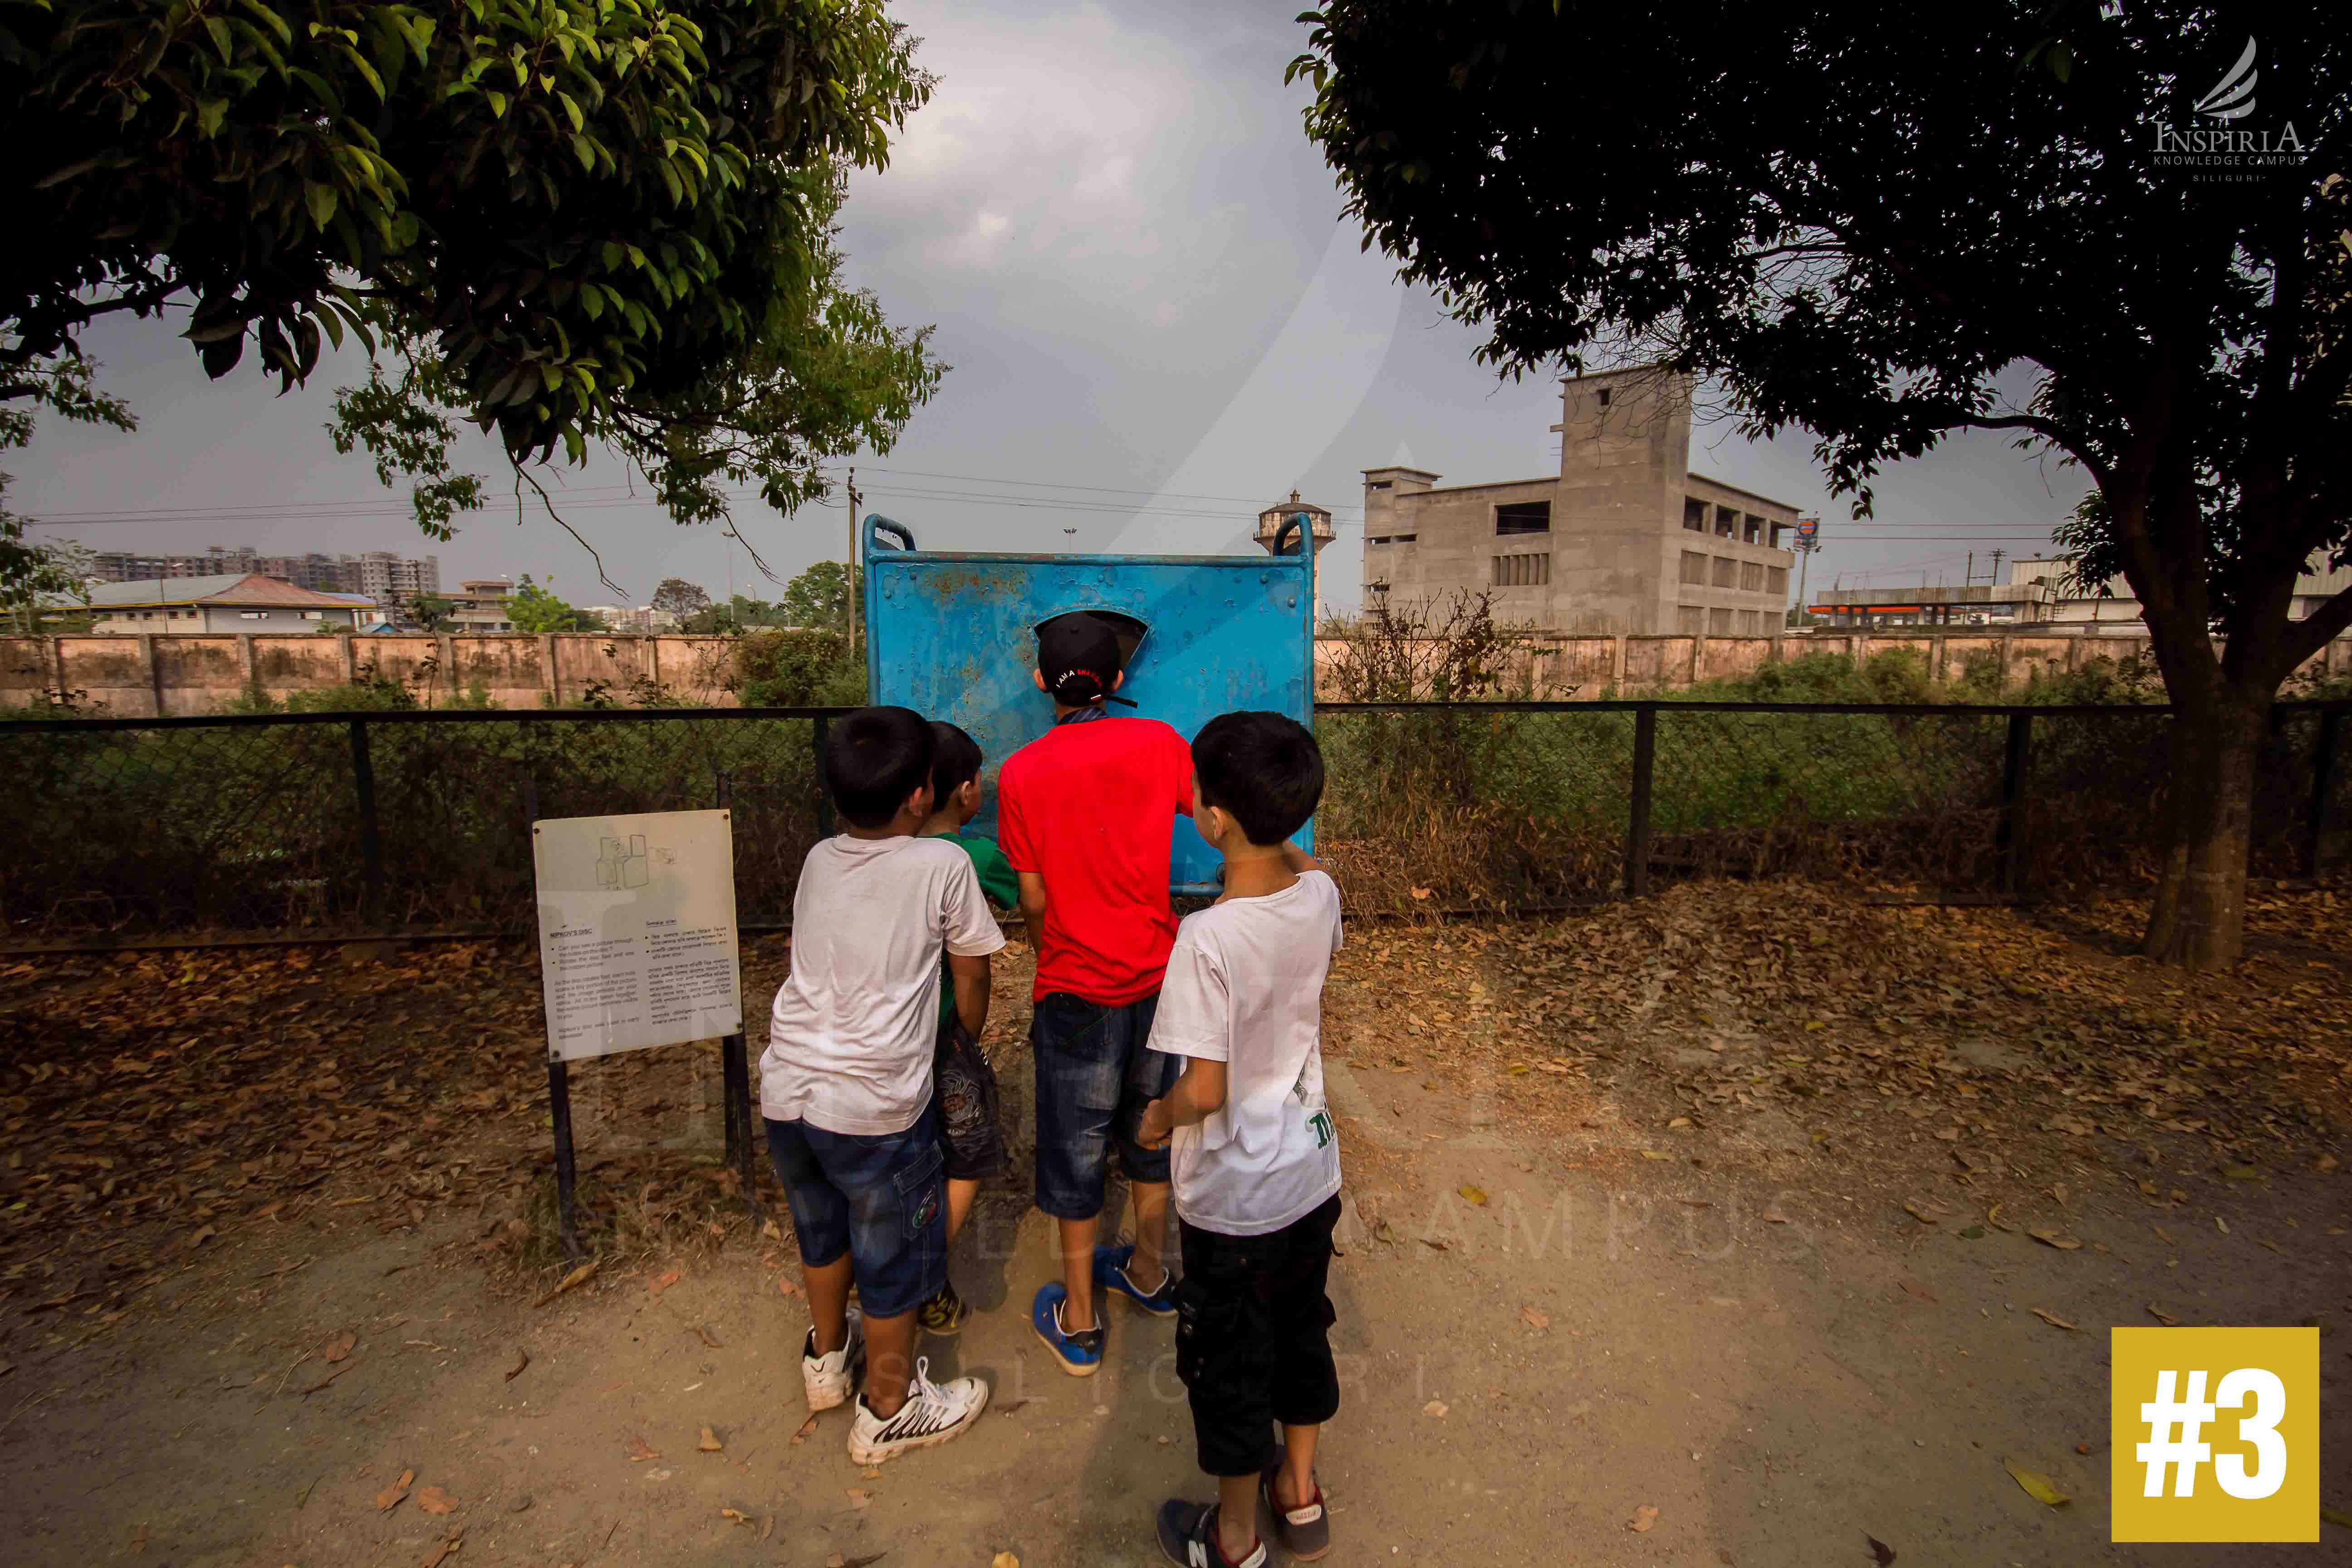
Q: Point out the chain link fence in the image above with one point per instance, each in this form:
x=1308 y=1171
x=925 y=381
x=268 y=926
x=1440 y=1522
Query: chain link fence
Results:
x=415 y=823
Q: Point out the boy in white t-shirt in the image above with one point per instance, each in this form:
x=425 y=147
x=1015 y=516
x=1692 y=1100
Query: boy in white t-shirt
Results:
x=1256 y=1160
x=845 y=1081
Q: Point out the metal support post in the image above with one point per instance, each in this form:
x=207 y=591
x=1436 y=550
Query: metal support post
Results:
x=1637 y=826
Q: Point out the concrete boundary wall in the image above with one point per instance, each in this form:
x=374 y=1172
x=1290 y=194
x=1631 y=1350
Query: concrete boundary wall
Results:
x=145 y=677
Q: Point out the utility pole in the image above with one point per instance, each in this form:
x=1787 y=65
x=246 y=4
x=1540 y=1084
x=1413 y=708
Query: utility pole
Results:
x=850 y=589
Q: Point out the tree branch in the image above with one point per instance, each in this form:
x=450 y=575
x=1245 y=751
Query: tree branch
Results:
x=2315 y=631
x=522 y=478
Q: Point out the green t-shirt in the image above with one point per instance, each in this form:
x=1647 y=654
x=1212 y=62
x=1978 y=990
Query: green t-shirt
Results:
x=1000 y=885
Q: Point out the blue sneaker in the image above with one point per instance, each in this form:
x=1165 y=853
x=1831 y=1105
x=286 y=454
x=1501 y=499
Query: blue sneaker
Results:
x=1110 y=1274
x=1079 y=1354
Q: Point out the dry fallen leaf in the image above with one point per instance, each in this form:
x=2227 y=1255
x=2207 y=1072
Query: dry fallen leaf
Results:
x=390 y=1497
x=1880 y=1553
x=2037 y=1485
x=433 y=1499
x=522 y=1360
x=663 y=1281
x=1004 y=1560
x=433 y=1559
x=1535 y=1320
x=640 y=1451
x=2167 y=1319
x=1925 y=1214
x=1914 y=1288
x=1435 y=1407
x=139 y=1540
x=859 y=1497
x=337 y=1348
x=807 y=1427
x=710 y=1443
x=1643 y=1518
x=2222 y=1225
x=579 y=1276
x=1473 y=1195
x=2053 y=1319
x=736 y=1515
x=787 y=1286
x=2052 y=1238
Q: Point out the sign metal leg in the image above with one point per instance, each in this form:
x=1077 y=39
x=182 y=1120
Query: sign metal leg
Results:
x=567 y=1197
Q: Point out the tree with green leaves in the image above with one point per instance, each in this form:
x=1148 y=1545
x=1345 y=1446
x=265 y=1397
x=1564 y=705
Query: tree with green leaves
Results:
x=1865 y=220
x=679 y=597
x=537 y=610
x=820 y=596
x=431 y=613
x=574 y=223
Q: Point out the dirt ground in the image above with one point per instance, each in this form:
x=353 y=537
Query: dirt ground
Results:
x=1790 y=1217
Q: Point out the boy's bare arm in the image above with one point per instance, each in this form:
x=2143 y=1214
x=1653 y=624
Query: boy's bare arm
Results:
x=1032 y=904
x=1296 y=860
x=971 y=991
x=1198 y=1095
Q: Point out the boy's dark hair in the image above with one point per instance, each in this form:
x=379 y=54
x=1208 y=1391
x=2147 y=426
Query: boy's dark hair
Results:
x=1264 y=770
x=955 y=761
x=873 y=759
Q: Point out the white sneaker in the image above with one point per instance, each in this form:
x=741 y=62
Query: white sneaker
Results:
x=827 y=1379
x=933 y=1414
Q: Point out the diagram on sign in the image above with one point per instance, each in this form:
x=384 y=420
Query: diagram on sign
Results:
x=621 y=862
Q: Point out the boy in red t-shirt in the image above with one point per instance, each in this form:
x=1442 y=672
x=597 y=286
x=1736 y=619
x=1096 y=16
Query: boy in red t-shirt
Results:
x=1084 y=814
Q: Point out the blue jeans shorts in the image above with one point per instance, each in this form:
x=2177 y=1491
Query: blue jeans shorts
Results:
x=880 y=1199
x=1095 y=1076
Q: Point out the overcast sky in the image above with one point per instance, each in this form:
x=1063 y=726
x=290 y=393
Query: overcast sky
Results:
x=1157 y=323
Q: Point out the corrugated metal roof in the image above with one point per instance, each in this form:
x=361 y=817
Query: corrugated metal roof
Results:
x=150 y=591
x=228 y=589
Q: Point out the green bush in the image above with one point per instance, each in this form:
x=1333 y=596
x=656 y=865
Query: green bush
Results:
x=800 y=668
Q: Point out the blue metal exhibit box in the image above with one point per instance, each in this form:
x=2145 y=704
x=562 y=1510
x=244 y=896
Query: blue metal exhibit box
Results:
x=950 y=635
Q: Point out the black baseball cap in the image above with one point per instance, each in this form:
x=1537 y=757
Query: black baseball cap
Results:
x=1082 y=652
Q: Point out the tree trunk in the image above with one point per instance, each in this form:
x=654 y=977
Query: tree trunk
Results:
x=2198 y=920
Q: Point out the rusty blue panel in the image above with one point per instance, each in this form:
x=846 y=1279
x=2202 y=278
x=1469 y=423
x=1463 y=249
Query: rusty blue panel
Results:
x=949 y=634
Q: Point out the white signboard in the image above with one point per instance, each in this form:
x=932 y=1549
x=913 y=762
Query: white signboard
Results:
x=637 y=930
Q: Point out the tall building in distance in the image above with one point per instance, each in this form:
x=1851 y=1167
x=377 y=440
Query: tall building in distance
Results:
x=387 y=578
x=382 y=576
x=1624 y=538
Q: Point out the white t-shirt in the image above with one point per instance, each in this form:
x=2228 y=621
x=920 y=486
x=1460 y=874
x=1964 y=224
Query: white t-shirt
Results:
x=850 y=1040
x=1245 y=987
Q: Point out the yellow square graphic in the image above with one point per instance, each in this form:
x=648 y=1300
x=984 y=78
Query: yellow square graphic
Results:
x=2224 y=1423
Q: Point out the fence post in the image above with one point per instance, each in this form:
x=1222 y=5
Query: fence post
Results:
x=1637 y=823
x=371 y=836
x=2323 y=788
x=817 y=728
x=2009 y=841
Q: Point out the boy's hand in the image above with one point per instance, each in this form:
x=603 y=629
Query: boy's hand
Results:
x=1157 y=1125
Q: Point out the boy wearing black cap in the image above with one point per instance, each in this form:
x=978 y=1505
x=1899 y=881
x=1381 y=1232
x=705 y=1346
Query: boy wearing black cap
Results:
x=1084 y=814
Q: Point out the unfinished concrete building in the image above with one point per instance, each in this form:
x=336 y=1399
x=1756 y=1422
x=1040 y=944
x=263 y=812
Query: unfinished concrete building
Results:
x=1624 y=538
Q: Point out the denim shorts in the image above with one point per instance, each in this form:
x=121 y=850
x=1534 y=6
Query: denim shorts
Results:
x=1095 y=1076
x=963 y=1097
x=880 y=1199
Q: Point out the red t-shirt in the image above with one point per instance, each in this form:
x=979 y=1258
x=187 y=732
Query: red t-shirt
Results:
x=1089 y=806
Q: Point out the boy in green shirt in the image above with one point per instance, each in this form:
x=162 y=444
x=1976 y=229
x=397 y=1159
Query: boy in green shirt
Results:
x=963 y=1085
